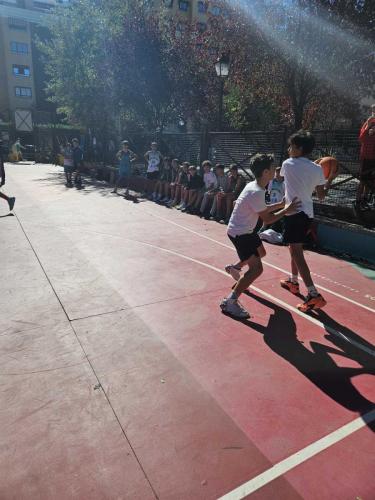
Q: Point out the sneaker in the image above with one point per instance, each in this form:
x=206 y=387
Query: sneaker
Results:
x=11 y=203
x=233 y=271
x=311 y=303
x=290 y=285
x=234 y=309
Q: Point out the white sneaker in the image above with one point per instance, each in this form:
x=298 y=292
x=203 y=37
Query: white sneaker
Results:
x=233 y=271
x=234 y=308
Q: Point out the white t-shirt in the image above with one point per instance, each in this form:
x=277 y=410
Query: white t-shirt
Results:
x=210 y=180
x=154 y=158
x=301 y=176
x=245 y=214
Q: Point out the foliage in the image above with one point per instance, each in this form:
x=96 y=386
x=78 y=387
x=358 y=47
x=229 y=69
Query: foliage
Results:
x=116 y=64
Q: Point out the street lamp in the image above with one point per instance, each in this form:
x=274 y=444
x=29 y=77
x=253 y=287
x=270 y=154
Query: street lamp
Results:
x=222 y=66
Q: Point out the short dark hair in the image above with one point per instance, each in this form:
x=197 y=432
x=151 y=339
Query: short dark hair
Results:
x=207 y=163
x=125 y=142
x=261 y=162
x=303 y=140
x=233 y=166
x=219 y=165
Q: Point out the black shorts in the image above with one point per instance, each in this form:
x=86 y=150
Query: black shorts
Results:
x=296 y=227
x=153 y=176
x=367 y=172
x=246 y=245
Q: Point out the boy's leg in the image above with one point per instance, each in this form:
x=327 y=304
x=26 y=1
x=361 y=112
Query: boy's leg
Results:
x=4 y=197
x=254 y=271
x=9 y=199
x=247 y=246
x=295 y=230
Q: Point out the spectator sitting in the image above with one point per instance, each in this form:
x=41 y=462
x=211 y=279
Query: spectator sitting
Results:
x=209 y=183
x=182 y=181
x=330 y=167
x=170 y=187
x=165 y=178
x=224 y=200
x=194 y=185
x=208 y=206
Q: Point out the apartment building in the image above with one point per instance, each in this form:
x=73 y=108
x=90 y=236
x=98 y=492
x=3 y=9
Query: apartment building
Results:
x=19 y=92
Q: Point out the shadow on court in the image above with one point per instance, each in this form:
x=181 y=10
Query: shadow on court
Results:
x=315 y=362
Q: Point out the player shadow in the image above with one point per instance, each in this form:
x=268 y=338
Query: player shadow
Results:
x=7 y=215
x=315 y=362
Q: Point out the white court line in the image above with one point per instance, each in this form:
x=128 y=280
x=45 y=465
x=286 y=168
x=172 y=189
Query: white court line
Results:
x=298 y=458
x=264 y=262
x=283 y=304
x=309 y=451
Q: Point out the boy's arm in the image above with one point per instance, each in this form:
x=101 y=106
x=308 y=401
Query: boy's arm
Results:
x=270 y=218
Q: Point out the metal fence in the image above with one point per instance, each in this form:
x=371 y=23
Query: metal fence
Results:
x=235 y=147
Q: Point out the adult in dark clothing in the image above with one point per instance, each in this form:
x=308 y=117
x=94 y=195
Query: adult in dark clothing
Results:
x=9 y=199
x=77 y=162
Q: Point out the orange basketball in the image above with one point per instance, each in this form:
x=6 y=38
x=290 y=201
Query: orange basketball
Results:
x=329 y=166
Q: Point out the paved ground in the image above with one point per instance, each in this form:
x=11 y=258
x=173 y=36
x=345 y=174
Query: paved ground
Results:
x=120 y=378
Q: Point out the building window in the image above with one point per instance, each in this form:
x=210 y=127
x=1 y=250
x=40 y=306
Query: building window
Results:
x=23 y=91
x=202 y=7
x=201 y=27
x=43 y=5
x=183 y=5
x=215 y=10
x=19 y=48
x=17 y=24
x=19 y=70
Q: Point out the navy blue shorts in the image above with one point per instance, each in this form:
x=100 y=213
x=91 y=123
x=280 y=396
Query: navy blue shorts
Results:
x=246 y=245
x=296 y=228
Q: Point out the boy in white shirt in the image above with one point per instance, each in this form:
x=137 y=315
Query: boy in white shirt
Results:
x=302 y=177
x=251 y=205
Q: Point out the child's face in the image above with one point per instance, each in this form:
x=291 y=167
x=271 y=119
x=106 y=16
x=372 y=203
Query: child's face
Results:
x=153 y=147
x=278 y=177
x=294 y=151
x=192 y=171
x=125 y=147
x=185 y=168
x=220 y=172
x=269 y=173
x=207 y=168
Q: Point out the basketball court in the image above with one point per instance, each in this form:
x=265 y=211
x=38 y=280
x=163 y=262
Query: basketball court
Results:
x=121 y=378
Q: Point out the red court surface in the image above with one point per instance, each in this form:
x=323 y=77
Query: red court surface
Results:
x=121 y=378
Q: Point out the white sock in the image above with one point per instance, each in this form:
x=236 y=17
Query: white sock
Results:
x=293 y=278
x=311 y=290
x=232 y=296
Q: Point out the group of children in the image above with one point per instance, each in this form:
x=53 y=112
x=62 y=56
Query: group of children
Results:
x=168 y=182
x=226 y=196
x=301 y=177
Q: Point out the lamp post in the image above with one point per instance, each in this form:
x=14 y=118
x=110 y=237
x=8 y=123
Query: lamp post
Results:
x=222 y=66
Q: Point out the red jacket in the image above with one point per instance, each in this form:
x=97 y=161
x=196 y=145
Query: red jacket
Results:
x=367 y=141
